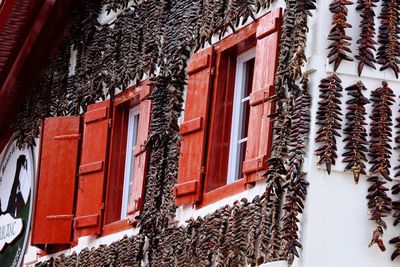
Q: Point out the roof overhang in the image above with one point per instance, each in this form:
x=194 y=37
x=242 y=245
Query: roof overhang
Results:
x=29 y=33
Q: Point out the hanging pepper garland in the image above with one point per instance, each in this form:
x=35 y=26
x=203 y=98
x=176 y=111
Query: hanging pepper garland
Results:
x=291 y=59
x=295 y=180
x=366 y=43
x=162 y=35
x=48 y=98
x=355 y=132
x=388 y=52
x=396 y=203
x=379 y=202
x=396 y=214
x=329 y=118
x=340 y=45
x=380 y=149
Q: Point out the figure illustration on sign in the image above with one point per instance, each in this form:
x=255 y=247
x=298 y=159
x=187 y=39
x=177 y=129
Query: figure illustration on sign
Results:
x=20 y=190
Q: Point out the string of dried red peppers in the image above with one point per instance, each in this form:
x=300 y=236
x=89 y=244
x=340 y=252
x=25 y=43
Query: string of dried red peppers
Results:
x=355 y=132
x=396 y=204
x=328 y=116
x=366 y=43
x=396 y=209
x=340 y=44
x=296 y=182
x=388 y=52
x=379 y=203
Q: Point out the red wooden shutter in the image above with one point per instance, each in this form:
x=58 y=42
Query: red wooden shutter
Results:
x=92 y=170
x=140 y=163
x=260 y=133
x=53 y=217
x=193 y=130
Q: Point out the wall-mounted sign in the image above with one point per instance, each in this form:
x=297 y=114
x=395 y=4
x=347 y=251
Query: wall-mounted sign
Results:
x=16 y=183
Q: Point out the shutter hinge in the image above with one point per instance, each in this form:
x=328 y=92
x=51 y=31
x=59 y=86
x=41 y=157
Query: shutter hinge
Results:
x=109 y=123
x=212 y=71
x=203 y=170
x=103 y=206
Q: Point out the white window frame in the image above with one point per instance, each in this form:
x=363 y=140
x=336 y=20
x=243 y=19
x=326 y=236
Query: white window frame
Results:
x=237 y=118
x=133 y=129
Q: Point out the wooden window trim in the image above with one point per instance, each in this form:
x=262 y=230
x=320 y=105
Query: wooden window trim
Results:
x=116 y=227
x=222 y=193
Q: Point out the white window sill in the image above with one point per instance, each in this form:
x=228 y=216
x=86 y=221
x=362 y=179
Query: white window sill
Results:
x=275 y=264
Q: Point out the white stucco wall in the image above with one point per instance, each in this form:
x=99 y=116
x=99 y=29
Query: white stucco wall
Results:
x=335 y=229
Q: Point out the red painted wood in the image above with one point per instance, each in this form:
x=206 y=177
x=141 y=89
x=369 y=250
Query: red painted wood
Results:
x=222 y=192
x=220 y=122
x=27 y=46
x=135 y=207
x=255 y=165
x=261 y=96
x=186 y=188
x=5 y=10
x=242 y=38
x=115 y=227
x=19 y=24
x=91 y=167
x=92 y=176
x=5 y=138
x=192 y=160
x=260 y=133
x=123 y=102
x=57 y=173
x=191 y=126
x=86 y=221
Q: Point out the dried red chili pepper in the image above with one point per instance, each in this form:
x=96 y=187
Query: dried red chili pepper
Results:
x=379 y=203
x=380 y=149
x=388 y=52
x=296 y=184
x=355 y=132
x=366 y=43
x=329 y=118
x=340 y=45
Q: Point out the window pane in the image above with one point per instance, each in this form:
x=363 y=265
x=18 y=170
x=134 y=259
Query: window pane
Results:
x=244 y=124
x=249 y=73
x=245 y=107
x=136 y=128
x=133 y=129
x=241 y=114
x=241 y=154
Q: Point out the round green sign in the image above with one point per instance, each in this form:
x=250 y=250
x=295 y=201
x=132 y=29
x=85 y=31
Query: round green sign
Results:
x=16 y=184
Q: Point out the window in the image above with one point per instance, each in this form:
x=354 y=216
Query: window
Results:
x=102 y=170
x=133 y=127
x=227 y=131
x=128 y=160
x=240 y=114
